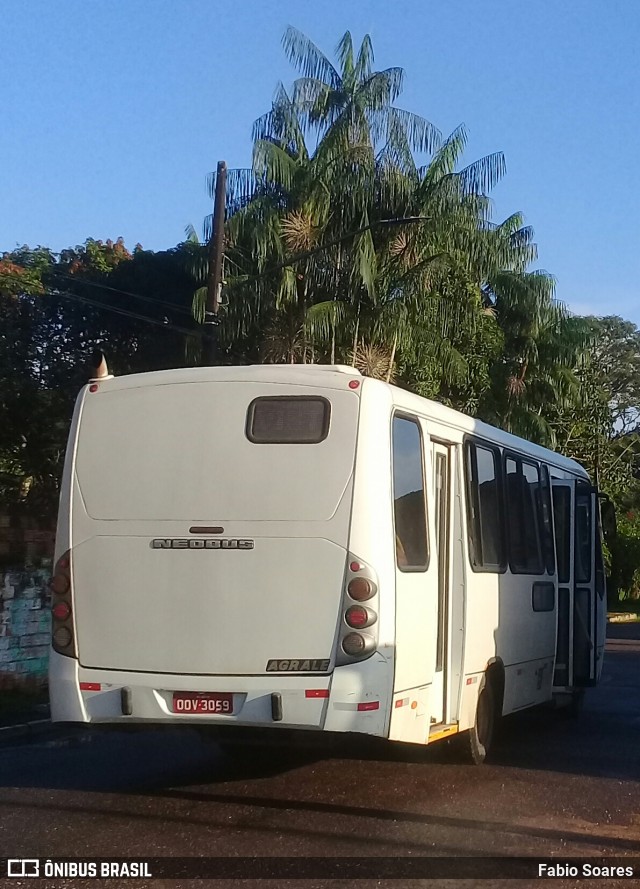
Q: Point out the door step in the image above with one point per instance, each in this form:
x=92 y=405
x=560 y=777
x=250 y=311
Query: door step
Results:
x=436 y=732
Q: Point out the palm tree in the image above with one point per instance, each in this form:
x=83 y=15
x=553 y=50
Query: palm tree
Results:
x=320 y=269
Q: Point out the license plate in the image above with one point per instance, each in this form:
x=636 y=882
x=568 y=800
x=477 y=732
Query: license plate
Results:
x=202 y=702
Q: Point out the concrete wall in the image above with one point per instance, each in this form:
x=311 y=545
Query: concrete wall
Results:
x=25 y=627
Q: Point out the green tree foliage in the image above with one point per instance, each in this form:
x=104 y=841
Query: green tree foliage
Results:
x=54 y=311
x=342 y=246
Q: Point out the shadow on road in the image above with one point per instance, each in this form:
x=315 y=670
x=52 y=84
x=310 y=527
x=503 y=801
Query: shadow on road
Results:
x=604 y=741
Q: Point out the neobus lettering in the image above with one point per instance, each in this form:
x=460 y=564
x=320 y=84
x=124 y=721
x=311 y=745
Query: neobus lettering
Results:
x=200 y=543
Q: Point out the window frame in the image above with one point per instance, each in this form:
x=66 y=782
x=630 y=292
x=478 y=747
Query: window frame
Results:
x=416 y=420
x=326 y=423
x=472 y=494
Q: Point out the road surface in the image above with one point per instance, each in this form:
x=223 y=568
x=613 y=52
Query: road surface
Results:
x=554 y=786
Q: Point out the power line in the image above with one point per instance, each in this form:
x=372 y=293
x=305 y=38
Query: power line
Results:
x=149 y=299
x=127 y=314
x=65 y=294
x=167 y=325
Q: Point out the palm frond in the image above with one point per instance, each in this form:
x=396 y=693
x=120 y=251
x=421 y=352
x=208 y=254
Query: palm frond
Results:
x=199 y=304
x=421 y=134
x=482 y=175
x=241 y=186
x=191 y=234
x=307 y=58
x=273 y=165
x=364 y=60
x=322 y=318
x=344 y=52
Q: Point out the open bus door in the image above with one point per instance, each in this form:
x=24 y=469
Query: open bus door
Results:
x=581 y=588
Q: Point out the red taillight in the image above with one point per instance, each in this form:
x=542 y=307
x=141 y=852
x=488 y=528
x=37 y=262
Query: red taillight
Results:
x=355 y=566
x=62 y=623
x=357 y=617
x=360 y=589
x=90 y=686
x=368 y=705
x=316 y=693
x=61 y=610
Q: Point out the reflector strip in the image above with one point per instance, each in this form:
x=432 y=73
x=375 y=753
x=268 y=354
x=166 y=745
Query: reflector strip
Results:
x=369 y=705
x=316 y=693
x=90 y=686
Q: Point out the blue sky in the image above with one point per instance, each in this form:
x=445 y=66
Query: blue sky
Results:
x=113 y=114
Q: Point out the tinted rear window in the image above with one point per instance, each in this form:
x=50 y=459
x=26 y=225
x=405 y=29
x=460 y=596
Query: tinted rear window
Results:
x=288 y=420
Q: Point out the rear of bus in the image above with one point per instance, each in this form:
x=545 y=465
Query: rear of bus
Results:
x=203 y=565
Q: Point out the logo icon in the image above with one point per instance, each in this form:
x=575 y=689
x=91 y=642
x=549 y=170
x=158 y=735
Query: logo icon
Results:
x=23 y=867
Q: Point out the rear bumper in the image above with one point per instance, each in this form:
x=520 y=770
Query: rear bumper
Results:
x=353 y=698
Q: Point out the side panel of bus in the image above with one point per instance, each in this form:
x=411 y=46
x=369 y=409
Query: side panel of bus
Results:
x=511 y=587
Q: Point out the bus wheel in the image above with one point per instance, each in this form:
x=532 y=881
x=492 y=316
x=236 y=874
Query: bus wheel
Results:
x=476 y=742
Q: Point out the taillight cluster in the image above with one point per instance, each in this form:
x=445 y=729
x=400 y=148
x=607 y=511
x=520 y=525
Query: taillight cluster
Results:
x=62 y=636
x=360 y=614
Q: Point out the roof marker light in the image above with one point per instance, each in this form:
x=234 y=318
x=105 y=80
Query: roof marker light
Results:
x=353 y=384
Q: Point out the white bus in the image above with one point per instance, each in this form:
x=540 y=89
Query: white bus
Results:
x=302 y=547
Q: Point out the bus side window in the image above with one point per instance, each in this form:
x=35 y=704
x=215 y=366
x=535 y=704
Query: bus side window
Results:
x=583 y=535
x=409 y=504
x=522 y=479
x=485 y=514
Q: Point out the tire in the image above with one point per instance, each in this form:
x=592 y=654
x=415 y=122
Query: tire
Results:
x=476 y=743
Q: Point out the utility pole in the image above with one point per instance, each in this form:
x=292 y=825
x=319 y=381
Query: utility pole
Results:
x=216 y=255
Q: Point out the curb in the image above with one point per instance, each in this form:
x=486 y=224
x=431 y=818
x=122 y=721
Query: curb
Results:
x=622 y=617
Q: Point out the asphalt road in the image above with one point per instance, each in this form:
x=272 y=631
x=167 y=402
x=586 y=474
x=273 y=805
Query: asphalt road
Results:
x=555 y=786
